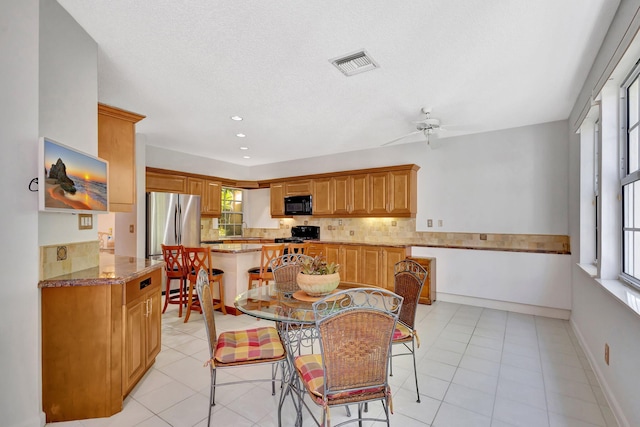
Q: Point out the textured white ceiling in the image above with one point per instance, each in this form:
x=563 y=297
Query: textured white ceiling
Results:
x=479 y=65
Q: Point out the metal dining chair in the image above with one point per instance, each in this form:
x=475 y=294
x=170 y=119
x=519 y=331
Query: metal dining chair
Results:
x=409 y=278
x=355 y=328
x=285 y=269
x=235 y=349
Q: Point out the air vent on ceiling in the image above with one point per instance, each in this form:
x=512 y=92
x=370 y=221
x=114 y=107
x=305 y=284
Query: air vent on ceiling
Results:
x=354 y=63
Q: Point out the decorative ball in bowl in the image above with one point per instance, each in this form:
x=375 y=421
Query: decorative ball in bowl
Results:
x=317 y=285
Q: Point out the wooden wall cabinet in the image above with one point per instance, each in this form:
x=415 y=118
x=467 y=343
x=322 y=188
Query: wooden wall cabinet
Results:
x=351 y=195
x=299 y=188
x=323 y=196
x=195 y=186
x=166 y=183
x=209 y=190
x=211 y=203
x=97 y=341
x=277 y=199
x=116 y=143
x=379 y=192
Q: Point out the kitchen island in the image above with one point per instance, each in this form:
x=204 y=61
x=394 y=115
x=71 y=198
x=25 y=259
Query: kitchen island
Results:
x=235 y=259
x=101 y=331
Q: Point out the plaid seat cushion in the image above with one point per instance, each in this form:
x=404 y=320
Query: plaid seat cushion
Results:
x=401 y=332
x=250 y=344
x=309 y=368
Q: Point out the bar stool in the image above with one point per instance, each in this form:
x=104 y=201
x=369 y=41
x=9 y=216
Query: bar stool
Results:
x=194 y=260
x=263 y=273
x=173 y=258
x=297 y=248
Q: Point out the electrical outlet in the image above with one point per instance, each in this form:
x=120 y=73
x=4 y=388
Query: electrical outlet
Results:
x=351 y=233
x=339 y=222
x=606 y=353
x=439 y=223
x=130 y=228
x=394 y=223
x=429 y=223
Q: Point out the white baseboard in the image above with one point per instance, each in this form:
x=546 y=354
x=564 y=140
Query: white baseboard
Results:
x=611 y=399
x=556 y=313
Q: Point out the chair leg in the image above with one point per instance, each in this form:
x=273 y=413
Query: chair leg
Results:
x=360 y=414
x=189 y=302
x=212 y=394
x=166 y=295
x=223 y=308
x=415 y=371
x=181 y=295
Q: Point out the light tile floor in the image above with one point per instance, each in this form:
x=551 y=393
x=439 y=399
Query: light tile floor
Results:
x=476 y=367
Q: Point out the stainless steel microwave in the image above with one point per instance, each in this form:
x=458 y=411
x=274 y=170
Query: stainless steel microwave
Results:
x=298 y=205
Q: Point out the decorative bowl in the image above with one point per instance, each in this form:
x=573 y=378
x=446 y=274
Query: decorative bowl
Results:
x=318 y=284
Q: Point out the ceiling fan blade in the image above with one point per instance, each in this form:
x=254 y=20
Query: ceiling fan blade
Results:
x=402 y=137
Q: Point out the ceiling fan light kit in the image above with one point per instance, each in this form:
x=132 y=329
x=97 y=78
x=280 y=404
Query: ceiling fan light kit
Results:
x=427 y=126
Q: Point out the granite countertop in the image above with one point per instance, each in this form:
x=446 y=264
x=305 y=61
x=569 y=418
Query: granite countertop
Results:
x=112 y=270
x=234 y=248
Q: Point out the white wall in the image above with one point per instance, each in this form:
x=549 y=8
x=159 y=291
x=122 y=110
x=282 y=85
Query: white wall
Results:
x=162 y=158
x=257 y=212
x=20 y=392
x=68 y=105
x=524 y=282
x=509 y=181
x=49 y=82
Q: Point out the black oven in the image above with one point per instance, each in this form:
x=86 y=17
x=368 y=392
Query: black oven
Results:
x=298 y=205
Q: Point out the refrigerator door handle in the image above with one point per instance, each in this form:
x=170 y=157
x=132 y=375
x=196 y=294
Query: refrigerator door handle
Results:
x=180 y=221
x=176 y=223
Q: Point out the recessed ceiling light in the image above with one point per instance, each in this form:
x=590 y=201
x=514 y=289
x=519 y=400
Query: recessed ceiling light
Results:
x=246 y=157
x=240 y=135
x=244 y=148
x=236 y=118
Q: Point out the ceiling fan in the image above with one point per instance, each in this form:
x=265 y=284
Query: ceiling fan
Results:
x=426 y=126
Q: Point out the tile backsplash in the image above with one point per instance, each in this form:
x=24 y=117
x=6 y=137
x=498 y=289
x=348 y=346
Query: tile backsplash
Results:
x=65 y=258
x=402 y=231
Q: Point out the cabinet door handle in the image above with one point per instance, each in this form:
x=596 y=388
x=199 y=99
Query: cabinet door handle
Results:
x=150 y=305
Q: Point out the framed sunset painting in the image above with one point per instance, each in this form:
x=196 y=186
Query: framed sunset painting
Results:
x=70 y=180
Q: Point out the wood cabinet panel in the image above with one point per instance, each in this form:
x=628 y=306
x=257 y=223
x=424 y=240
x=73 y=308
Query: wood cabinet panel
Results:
x=211 y=203
x=116 y=143
x=402 y=192
x=359 y=194
x=390 y=257
x=350 y=270
x=341 y=195
x=195 y=186
x=143 y=327
x=277 y=199
x=372 y=272
x=323 y=198
x=299 y=188
x=82 y=329
x=166 y=183
x=379 y=193
x=428 y=294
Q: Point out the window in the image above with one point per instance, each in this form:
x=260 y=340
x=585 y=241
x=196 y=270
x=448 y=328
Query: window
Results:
x=231 y=218
x=596 y=184
x=631 y=181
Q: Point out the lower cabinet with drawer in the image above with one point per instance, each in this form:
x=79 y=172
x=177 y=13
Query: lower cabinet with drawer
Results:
x=143 y=327
x=97 y=342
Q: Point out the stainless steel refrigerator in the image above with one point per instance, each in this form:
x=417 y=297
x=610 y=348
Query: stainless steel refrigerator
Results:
x=172 y=219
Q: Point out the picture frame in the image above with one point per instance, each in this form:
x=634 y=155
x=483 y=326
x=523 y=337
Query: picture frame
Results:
x=71 y=181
